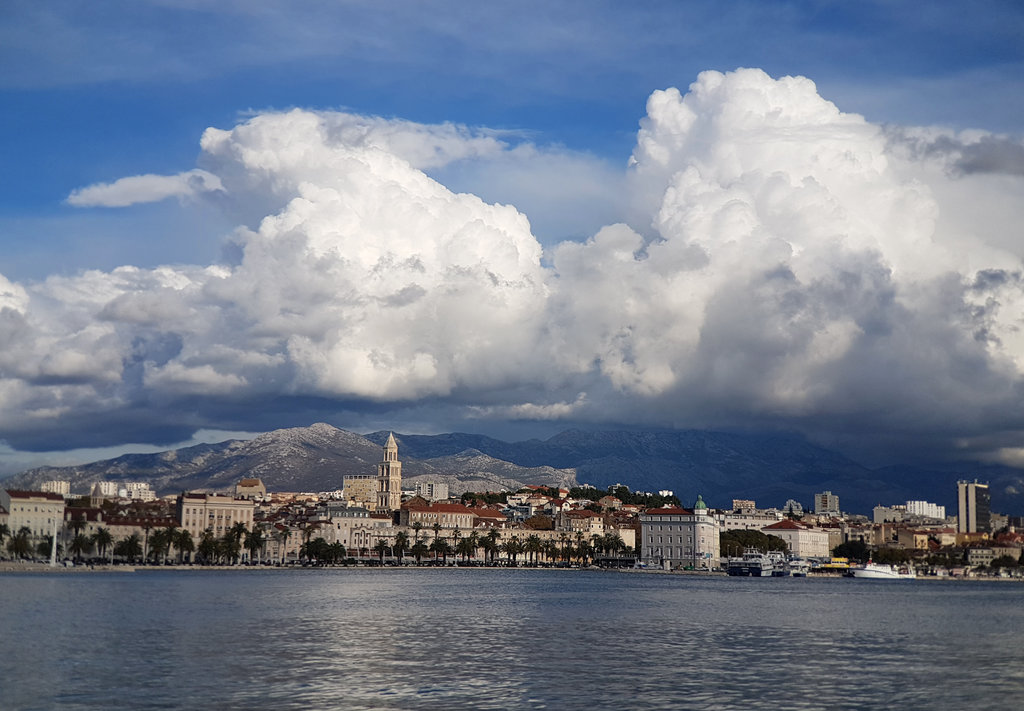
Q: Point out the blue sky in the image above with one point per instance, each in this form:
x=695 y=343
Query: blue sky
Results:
x=91 y=93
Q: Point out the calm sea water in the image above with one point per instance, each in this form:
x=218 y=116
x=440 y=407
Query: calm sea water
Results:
x=504 y=639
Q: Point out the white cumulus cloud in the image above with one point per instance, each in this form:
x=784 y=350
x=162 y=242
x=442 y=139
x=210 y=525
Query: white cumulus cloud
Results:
x=791 y=263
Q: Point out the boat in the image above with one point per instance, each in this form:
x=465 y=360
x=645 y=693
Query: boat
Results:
x=753 y=564
x=798 y=567
x=882 y=571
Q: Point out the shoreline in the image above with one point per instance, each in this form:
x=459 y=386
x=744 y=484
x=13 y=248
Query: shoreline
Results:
x=16 y=567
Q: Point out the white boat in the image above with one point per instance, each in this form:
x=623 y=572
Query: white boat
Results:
x=881 y=571
x=798 y=567
x=753 y=564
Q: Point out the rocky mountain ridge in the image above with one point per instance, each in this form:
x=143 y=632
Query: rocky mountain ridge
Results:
x=768 y=468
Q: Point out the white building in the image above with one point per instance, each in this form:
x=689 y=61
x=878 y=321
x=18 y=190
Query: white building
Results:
x=136 y=491
x=213 y=512
x=826 y=503
x=57 y=486
x=432 y=490
x=923 y=508
x=40 y=511
x=680 y=538
x=803 y=541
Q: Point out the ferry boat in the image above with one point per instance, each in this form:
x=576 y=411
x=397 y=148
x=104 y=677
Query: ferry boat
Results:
x=753 y=564
x=798 y=567
x=881 y=571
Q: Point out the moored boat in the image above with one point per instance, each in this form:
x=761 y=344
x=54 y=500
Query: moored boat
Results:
x=753 y=564
x=882 y=571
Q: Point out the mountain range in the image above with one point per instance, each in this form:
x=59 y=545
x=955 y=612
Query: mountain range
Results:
x=720 y=466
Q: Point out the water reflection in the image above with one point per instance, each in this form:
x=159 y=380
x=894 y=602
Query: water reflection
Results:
x=472 y=639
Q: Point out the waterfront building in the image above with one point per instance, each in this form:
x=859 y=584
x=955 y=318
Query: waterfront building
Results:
x=973 y=507
x=213 y=512
x=826 y=503
x=389 y=478
x=39 y=511
x=445 y=515
x=56 y=486
x=803 y=541
x=680 y=538
x=432 y=490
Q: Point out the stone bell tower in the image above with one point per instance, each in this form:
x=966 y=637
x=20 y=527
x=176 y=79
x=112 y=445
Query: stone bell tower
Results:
x=389 y=478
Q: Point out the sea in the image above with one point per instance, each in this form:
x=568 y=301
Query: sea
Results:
x=432 y=638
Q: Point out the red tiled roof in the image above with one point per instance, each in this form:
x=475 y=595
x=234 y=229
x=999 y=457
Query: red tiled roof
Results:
x=786 y=524
x=24 y=494
x=669 y=511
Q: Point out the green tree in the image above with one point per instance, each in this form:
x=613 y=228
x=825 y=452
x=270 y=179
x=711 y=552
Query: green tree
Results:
x=254 y=543
x=159 y=544
x=441 y=547
x=208 y=547
x=419 y=549
x=282 y=536
x=854 y=550
x=79 y=546
x=184 y=543
x=732 y=543
x=129 y=548
x=533 y=547
x=513 y=548
x=401 y=545
x=380 y=548
x=103 y=542
x=20 y=544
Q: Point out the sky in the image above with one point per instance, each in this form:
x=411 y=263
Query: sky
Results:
x=223 y=218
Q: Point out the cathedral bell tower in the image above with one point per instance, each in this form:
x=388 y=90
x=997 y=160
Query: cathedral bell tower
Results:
x=389 y=478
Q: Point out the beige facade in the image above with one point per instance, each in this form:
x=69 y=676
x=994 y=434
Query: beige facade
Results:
x=250 y=489
x=445 y=515
x=389 y=478
x=589 y=523
x=361 y=491
x=39 y=511
x=680 y=538
x=803 y=541
x=214 y=512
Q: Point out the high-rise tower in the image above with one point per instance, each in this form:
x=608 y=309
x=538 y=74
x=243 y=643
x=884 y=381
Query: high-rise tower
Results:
x=389 y=478
x=973 y=503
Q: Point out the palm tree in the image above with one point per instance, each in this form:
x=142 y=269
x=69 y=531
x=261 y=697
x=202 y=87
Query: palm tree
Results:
x=443 y=547
x=282 y=536
x=231 y=547
x=103 y=540
x=533 y=547
x=80 y=545
x=437 y=529
x=416 y=528
x=401 y=545
x=129 y=548
x=20 y=545
x=208 y=546
x=474 y=543
x=513 y=547
x=159 y=544
x=171 y=537
x=381 y=547
x=491 y=543
x=419 y=549
x=5 y=531
x=184 y=543
x=562 y=539
x=254 y=543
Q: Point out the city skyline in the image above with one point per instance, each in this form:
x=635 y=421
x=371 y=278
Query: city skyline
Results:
x=513 y=220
